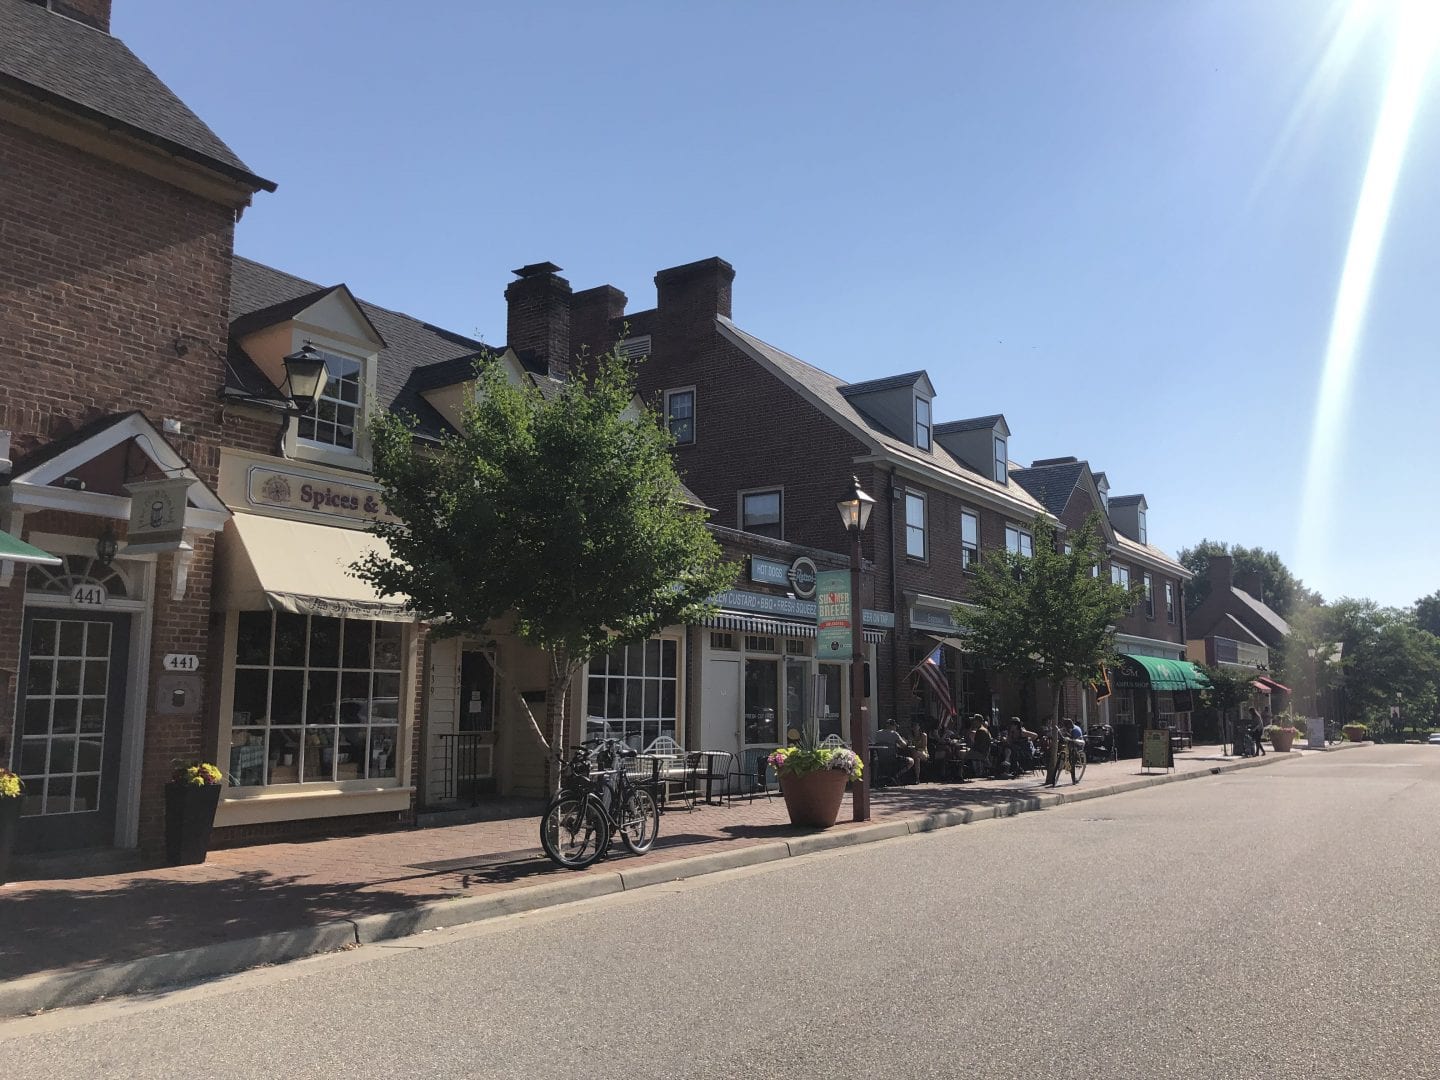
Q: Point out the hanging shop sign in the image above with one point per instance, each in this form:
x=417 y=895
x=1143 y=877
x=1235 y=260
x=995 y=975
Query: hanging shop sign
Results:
x=803 y=576
x=834 y=615
x=157 y=514
x=768 y=571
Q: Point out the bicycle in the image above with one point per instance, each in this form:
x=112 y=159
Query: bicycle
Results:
x=1071 y=758
x=596 y=800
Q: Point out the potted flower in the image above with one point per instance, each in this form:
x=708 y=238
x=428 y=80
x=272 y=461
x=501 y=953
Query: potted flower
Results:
x=191 y=798
x=1356 y=732
x=813 y=780
x=11 y=796
x=1281 y=736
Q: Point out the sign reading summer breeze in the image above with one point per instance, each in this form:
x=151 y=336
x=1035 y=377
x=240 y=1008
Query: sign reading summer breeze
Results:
x=1155 y=752
x=296 y=491
x=832 y=615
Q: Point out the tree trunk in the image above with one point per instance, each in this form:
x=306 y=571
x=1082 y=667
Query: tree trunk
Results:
x=1055 y=734
x=562 y=670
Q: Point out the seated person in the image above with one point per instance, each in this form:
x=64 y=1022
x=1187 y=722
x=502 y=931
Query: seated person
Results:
x=980 y=740
x=904 y=752
x=1019 y=747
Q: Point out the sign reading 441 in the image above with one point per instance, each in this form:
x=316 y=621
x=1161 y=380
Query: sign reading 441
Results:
x=88 y=595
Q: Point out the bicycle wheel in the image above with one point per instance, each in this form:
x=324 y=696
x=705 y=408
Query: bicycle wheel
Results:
x=639 y=821
x=572 y=831
x=1077 y=766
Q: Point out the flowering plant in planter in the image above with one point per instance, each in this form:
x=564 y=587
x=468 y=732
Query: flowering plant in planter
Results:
x=804 y=760
x=196 y=774
x=10 y=785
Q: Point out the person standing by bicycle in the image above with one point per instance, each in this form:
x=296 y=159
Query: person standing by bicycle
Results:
x=1070 y=741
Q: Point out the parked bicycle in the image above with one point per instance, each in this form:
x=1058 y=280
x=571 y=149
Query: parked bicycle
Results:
x=1071 y=759
x=597 y=799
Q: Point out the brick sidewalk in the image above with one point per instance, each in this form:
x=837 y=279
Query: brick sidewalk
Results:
x=77 y=923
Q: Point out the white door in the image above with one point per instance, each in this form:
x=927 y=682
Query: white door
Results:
x=720 y=706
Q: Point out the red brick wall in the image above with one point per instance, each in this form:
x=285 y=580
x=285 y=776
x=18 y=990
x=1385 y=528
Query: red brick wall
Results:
x=102 y=269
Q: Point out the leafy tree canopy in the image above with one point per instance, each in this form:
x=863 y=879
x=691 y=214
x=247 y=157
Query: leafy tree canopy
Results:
x=1045 y=614
x=1284 y=592
x=563 y=511
x=1427 y=613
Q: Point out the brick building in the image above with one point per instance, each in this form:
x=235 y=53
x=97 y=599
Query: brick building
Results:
x=117 y=213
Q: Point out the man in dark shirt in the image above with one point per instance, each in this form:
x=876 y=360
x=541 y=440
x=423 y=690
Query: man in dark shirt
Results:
x=904 y=752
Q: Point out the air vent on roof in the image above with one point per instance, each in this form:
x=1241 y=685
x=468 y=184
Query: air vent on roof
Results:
x=634 y=348
x=1040 y=463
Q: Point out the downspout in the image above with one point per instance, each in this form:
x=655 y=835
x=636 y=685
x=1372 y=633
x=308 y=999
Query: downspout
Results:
x=895 y=607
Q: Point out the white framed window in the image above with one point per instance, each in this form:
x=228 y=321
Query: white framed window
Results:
x=1170 y=601
x=335 y=421
x=1149 y=585
x=922 y=423
x=680 y=415
x=763 y=512
x=1143 y=531
x=632 y=693
x=1002 y=469
x=316 y=699
x=1018 y=541
x=1120 y=575
x=969 y=538
x=914 y=525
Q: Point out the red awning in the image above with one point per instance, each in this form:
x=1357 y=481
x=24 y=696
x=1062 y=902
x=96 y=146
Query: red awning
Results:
x=1258 y=685
x=1273 y=685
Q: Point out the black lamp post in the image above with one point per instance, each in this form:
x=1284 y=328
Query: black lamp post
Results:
x=855 y=507
x=305 y=376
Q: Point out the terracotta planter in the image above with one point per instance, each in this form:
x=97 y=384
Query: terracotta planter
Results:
x=813 y=800
x=1355 y=733
x=9 y=826
x=1281 y=741
x=189 y=816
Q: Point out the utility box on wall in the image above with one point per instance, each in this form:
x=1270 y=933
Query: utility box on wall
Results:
x=178 y=695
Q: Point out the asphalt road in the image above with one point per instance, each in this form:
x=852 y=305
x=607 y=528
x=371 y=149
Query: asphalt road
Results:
x=1277 y=922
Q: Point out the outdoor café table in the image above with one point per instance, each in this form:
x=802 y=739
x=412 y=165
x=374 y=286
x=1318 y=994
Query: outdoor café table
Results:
x=709 y=773
x=661 y=766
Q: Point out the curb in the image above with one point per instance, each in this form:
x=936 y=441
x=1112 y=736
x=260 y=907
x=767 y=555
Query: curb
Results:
x=58 y=989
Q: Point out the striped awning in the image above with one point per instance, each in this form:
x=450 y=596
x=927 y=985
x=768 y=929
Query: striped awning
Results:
x=760 y=624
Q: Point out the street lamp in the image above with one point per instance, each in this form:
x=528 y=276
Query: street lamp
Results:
x=855 y=507
x=1313 y=652
x=305 y=376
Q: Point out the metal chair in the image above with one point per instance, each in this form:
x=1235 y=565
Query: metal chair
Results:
x=752 y=773
x=833 y=742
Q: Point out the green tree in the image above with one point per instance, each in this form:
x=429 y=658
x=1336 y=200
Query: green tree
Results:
x=564 y=511
x=1427 y=613
x=1230 y=689
x=1284 y=592
x=1046 y=615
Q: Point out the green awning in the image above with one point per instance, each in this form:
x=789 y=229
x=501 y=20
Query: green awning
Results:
x=13 y=549
x=1159 y=673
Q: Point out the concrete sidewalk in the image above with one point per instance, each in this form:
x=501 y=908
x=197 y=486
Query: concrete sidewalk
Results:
x=69 y=940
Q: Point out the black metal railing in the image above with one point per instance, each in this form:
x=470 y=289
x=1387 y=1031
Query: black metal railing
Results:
x=468 y=767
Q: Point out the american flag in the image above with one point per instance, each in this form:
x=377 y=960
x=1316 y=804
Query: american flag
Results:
x=929 y=669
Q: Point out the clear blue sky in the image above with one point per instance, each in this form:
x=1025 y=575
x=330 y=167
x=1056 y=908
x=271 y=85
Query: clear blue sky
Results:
x=1122 y=223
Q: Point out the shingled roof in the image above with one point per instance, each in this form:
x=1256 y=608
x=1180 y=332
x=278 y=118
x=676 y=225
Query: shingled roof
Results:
x=1051 y=484
x=87 y=72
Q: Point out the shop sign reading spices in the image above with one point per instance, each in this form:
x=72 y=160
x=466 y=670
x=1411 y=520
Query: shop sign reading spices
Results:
x=330 y=498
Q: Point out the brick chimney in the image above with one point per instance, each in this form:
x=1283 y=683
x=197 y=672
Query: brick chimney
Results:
x=1252 y=583
x=1221 y=571
x=592 y=314
x=94 y=13
x=538 y=318
x=694 y=293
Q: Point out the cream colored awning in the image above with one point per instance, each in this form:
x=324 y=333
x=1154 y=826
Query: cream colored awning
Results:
x=268 y=563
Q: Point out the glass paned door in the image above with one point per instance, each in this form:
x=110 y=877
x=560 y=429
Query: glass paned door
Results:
x=797 y=700
x=831 y=693
x=475 y=726
x=67 y=746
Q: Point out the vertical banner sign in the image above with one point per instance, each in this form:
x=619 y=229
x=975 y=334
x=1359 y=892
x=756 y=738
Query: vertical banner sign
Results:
x=833 y=614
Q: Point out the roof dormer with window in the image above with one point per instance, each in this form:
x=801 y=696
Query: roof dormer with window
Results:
x=1127 y=514
x=899 y=405
x=982 y=444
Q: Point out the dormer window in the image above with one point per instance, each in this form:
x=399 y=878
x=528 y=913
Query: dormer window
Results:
x=922 y=423
x=1002 y=470
x=1143 y=535
x=338 y=413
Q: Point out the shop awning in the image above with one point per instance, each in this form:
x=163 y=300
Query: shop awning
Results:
x=1258 y=685
x=1271 y=684
x=760 y=624
x=1164 y=674
x=282 y=565
x=958 y=644
x=15 y=550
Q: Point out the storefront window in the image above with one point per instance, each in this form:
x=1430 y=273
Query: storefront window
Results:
x=633 y=693
x=832 y=692
x=762 y=688
x=317 y=699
